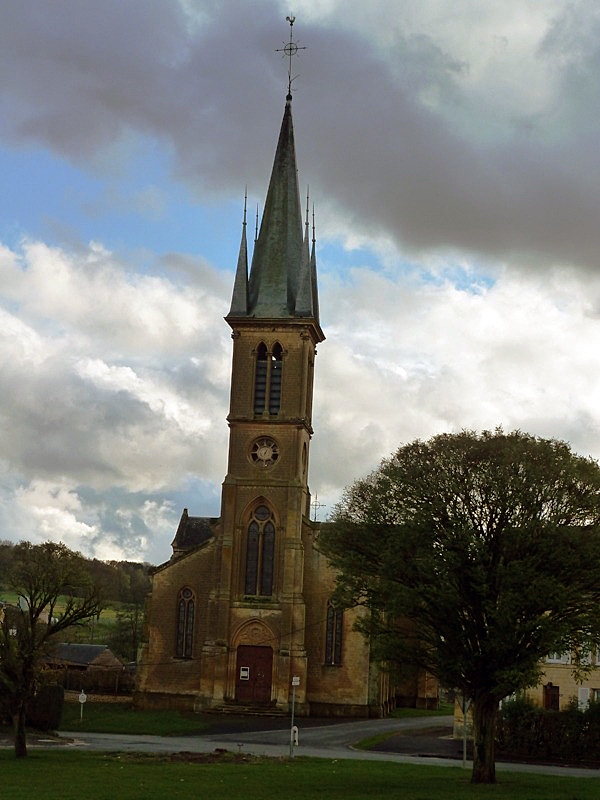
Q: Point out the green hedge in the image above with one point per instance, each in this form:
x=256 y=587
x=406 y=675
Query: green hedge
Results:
x=526 y=732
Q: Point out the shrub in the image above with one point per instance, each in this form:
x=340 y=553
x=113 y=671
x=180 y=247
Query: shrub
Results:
x=526 y=731
x=45 y=710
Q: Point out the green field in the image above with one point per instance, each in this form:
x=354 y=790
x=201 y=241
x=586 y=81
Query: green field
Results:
x=70 y=775
x=93 y=631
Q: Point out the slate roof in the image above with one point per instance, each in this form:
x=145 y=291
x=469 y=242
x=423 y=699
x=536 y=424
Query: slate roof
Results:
x=193 y=531
x=79 y=654
x=282 y=282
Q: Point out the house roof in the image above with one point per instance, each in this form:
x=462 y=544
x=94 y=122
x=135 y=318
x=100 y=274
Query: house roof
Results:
x=81 y=654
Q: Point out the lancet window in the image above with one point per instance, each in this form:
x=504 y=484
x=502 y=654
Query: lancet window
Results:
x=186 y=607
x=260 y=553
x=268 y=379
x=333 y=635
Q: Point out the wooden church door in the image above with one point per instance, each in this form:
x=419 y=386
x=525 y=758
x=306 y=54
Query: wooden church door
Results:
x=254 y=674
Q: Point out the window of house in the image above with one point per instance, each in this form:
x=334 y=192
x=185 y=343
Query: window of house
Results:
x=186 y=606
x=584 y=695
x=333 y=635
x=260 y=552
x=559 y=658
x=268 y=379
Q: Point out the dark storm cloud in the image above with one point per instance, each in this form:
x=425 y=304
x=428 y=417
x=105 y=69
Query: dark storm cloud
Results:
x=456 y=172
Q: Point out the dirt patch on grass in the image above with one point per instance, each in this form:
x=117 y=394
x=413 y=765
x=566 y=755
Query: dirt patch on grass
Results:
x=217 y=756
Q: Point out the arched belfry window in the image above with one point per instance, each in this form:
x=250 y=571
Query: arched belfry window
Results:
x=186 y=607
x=275 y=382
x=267 y=379
x=260 y=553
x=260 y=379
x=333 y=635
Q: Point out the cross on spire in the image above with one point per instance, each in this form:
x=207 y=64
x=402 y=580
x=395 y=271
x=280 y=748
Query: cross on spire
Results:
x=290 y=49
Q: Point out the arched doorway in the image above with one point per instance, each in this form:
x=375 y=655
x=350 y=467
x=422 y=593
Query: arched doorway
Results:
x=254 y=674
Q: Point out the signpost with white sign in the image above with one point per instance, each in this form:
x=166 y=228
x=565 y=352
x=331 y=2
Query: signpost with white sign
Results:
x=82 y=699
x=294 y=728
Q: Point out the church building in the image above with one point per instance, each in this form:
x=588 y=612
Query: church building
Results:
x=242 y=610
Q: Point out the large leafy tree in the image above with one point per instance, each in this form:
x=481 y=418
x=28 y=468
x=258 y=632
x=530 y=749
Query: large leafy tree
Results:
x=54 y=593
x=475 y=555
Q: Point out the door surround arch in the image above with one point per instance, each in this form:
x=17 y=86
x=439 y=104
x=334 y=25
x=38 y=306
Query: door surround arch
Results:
x=252 y=651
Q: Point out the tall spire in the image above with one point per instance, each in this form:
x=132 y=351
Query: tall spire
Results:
x=282 y=282
x=277 y=257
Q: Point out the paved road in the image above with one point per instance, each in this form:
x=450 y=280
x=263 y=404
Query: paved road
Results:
x=327 y=741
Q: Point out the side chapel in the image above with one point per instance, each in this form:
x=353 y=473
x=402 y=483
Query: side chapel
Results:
x=243 y=604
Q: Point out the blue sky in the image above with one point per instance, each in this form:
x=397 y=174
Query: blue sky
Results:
x=453 y=163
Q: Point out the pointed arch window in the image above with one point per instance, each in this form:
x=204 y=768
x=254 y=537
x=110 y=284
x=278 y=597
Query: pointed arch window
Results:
x=275 y=379
x=268 y=379
x=260 y=553
x=186 y=609
x=333 y=635
x=260 y=379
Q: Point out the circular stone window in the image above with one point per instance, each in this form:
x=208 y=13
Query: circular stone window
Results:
x=264 y=452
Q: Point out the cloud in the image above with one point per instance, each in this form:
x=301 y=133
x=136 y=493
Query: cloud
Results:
x=454 y=165
x=407 y=359
x=104 y=440
x=441 y=131
x=110 y=379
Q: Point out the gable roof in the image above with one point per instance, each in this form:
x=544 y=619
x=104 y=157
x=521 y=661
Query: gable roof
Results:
x=193 y=531
x=81 y=654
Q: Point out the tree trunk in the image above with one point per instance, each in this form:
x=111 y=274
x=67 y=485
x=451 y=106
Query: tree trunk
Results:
x=19 y=722
x=485 y=712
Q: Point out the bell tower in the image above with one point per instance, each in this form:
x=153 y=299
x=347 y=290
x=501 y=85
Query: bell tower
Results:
x=243 y=605
x=259 y=608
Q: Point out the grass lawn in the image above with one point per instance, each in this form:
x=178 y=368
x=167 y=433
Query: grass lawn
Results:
x=444 y=710
x=71 y=775
x=122 y=718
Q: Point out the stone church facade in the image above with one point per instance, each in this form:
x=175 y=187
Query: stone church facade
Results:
x=243 y=605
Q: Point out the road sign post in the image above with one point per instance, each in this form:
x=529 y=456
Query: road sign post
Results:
x=294 y=728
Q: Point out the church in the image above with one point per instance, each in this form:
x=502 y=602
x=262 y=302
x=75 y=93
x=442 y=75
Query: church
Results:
x=241 y=617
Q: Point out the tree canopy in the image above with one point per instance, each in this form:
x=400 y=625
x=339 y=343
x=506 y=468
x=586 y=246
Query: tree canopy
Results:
x=476 y=556
x=55 y=592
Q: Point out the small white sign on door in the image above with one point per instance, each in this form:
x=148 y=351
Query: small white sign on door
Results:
x=244 y=673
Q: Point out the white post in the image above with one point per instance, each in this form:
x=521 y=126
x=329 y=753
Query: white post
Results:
x=293 y=729
x=465 y=707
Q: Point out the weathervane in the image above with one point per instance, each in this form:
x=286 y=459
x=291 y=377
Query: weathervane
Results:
x=290 y=49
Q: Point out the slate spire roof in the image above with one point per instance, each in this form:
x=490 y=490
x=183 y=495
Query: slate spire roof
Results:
x=282 y=283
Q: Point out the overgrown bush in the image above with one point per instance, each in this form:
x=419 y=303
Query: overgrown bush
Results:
x=526 y=731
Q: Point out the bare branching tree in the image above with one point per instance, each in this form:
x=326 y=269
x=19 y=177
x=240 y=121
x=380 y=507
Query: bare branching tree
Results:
x=54 y=593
